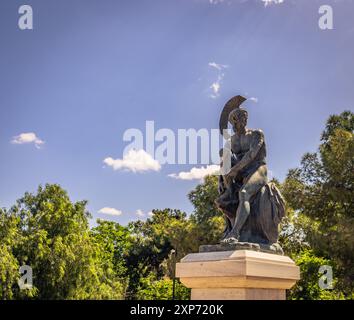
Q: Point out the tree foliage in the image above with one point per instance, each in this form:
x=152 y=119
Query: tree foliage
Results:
x=152 y=243
x=49 y=233
x=8 y=263
x=308 y=288
x=320 y=191
x=206 y=216
x=152 y=288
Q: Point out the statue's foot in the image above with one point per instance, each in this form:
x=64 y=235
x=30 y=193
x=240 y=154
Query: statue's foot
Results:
x=231 y=237
x=230 y=240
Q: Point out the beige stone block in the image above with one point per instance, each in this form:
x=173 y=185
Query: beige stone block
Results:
x=240 y=274
x=237 y=294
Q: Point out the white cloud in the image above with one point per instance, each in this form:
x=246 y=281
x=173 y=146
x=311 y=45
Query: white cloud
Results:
x=215 y=1
x=215 y=86
x=115 y=212
x=254 y=99
x=135 y=161
x=110 y=211
x=268 y=2
x=29 y=137
x=217 y=66
x=196 y=173
x=140 y=213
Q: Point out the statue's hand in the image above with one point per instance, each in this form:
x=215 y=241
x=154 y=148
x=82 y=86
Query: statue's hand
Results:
x=228 y=179
x=233 y=172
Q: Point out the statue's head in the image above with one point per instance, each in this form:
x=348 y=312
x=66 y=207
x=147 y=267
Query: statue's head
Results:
x=238 y=119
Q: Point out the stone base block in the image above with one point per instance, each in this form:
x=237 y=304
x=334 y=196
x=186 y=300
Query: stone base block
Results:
x=237 y=275
x=237 y=294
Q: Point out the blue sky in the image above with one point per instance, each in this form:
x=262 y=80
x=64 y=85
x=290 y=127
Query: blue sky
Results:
x=92 y=69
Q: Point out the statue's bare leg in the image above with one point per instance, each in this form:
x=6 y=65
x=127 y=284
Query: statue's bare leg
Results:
x=252 y=185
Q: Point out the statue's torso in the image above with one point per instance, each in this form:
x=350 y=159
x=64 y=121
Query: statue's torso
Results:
x=241 y=144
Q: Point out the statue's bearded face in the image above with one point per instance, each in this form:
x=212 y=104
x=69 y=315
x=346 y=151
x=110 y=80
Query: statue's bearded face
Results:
x=238 y=119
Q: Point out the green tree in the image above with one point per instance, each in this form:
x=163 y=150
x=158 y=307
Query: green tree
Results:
x=152 y=288
x=116 y=241
x=308 y=288
x=9 y=267
x=153 y=241
x=320 y=191
x=206 y=216
x=55 y=241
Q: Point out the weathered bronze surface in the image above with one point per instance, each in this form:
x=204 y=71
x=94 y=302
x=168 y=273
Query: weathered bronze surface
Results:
x=252 y=206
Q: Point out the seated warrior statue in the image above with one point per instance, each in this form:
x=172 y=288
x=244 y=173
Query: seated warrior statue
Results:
x=253 y=207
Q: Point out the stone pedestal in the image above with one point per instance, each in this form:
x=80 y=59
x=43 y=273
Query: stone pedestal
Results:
x=237 y=275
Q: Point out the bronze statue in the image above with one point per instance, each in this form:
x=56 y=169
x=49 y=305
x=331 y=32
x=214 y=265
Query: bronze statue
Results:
x=253 y=207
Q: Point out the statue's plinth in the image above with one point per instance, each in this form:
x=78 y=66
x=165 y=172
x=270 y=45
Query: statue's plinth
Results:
x=237 y=275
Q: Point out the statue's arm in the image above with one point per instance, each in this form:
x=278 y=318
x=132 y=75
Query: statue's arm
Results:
x=256 y=145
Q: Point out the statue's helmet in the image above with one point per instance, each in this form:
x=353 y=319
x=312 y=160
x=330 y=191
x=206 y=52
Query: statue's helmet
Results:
x=232 y=105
